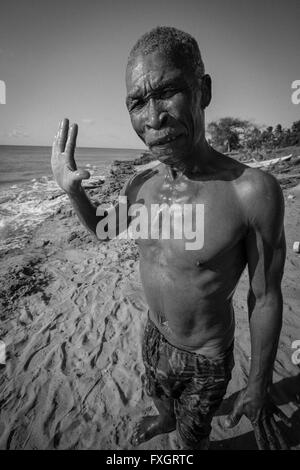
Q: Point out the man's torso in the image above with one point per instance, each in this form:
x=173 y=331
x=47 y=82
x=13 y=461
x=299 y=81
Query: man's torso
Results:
x=189 y=291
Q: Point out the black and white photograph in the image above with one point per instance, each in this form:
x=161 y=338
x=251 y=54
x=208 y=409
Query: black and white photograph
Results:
x=149 y=227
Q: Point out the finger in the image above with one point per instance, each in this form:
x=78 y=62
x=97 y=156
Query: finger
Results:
x=269 y=432
x=63 y=134
x=276 y=430
x=277 y=412
x=80 y=175
x=70 y=146
x=233 y=419
x=260 y=437
x=55 y=140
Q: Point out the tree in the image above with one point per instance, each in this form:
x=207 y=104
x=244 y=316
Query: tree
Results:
x=278 y=135
x=295 y=133
x=226 y=133
x=253 y=139
x=286 y=138
x=229 y=134
x=267 y=137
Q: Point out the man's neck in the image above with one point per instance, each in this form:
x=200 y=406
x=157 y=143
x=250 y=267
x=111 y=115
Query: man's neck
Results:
x=194 y=164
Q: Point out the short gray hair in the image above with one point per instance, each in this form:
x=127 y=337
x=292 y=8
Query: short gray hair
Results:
x=179 y=46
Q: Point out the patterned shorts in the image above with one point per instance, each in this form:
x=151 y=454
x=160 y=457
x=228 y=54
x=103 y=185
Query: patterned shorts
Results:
x=196 y=383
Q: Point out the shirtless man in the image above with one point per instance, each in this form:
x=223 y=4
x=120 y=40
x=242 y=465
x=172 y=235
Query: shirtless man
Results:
x=188 y=341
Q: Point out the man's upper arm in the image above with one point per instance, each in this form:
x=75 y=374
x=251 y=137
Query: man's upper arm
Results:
x=265 y=240
x=129 y=194
x=122 y=207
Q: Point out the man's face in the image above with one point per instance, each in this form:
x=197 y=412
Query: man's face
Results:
x=164 y=103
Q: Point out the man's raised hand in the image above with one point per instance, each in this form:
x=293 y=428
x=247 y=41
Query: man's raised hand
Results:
x=63 y=162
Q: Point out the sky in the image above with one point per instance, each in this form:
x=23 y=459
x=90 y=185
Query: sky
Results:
x=67 y=58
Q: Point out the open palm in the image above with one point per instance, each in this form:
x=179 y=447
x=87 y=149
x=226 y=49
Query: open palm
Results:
x=62 y=160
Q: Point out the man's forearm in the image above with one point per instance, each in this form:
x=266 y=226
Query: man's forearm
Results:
x=265 y=327
x=84 y=209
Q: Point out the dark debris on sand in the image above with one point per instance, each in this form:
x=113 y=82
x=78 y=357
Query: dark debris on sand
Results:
x=22 y=278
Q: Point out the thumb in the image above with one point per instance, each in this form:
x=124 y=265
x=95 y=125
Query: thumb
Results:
x=81 y=175
x=233 y=419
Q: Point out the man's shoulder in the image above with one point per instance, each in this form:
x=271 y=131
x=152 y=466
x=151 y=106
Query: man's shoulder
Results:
x=250 y=184
x=254 y=183
x=260 y=196
x=138 y=179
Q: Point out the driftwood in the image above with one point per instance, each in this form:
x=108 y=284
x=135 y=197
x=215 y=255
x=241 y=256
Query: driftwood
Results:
x=266 y=163
x=287 y=177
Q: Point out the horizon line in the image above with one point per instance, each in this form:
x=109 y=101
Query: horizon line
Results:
x=49 y=146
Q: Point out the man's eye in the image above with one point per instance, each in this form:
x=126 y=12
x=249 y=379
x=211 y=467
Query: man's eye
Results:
x=137 y=105
x=168 y=93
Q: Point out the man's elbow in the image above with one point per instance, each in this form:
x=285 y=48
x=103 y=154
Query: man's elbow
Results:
x=270 y=299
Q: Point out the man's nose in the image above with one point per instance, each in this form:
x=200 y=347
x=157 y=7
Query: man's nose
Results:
x=156 y=116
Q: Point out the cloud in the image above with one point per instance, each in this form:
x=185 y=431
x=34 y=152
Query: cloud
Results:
x=16 y=134
x=88 y=121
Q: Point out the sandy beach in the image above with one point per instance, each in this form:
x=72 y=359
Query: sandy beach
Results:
x=72 y=319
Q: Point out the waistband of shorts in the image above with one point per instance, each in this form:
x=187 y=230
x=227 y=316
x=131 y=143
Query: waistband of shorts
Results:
x=227 y=353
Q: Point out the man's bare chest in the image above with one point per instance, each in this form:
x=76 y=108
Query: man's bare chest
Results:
x=192 y=223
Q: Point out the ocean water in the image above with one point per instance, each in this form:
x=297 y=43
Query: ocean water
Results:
x=27 y=186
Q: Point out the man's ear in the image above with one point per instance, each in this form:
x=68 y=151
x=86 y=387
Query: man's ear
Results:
x=206 y=91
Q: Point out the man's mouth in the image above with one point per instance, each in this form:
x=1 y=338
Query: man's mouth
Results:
x=164 y=140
